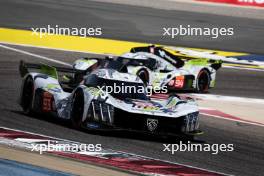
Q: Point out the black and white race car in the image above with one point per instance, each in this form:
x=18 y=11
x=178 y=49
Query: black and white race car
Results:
x=90 y=103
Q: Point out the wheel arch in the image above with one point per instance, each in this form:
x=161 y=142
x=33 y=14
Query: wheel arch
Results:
x=22 y=88
x=198 y=74
x=23 y=84
x=87 y=98
x=147 y=74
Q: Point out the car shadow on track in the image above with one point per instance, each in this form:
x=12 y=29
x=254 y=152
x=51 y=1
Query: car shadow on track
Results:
x=126 y=134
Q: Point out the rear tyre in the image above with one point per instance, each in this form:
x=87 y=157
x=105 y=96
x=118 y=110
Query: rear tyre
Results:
x=77 y=109
x=27 y=95
x=203 y=81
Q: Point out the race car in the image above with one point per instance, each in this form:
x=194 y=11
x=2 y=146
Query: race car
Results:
x=177 y=72
x=91 y=105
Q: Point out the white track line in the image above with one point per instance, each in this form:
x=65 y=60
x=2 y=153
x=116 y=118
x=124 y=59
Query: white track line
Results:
x=234 y=120
x=226 y=118
x=241 y=68
x=228 y=98
x=202 y=96
x=58 y=49
x=35 y=55
x=108 y=54
x=205 y=96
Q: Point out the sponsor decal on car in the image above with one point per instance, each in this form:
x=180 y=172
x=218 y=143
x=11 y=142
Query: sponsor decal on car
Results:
x=53 y=87
x=179 y=82
x=47 y=102
x=145 y=106
x=172 y=103
x=95 y=91
x=152 y=124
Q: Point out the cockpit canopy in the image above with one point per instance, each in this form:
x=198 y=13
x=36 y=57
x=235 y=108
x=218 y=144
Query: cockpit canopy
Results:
x=117 y=88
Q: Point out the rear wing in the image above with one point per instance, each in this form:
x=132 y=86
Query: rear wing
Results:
x=215 y=64
x=178 y=60
x=44 y=68
x=53 y=70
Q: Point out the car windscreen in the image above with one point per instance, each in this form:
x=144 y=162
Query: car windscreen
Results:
x=118 y=89
x=161 y=52
x=150 y=62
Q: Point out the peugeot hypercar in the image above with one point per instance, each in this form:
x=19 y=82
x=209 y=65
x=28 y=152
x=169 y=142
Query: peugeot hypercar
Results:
x=177 y=72
x=89 y=103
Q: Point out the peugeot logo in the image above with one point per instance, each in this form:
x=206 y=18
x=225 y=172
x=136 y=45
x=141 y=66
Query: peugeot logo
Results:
x=152 y=124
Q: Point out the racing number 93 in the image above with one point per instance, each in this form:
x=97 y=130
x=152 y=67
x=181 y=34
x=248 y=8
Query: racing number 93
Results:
x=47 y=102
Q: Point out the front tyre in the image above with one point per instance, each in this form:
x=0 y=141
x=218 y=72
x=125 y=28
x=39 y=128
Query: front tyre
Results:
x=77 y=109
x=203 y=81
x=27 y=95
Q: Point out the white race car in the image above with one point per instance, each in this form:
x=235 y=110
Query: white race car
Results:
x=174 y=71
x=89 y=104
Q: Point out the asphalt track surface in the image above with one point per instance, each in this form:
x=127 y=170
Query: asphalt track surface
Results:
x=247 y=159
x=133 y=23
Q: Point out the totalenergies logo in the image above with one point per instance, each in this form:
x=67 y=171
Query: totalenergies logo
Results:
x=257 y=3
x=252 y=1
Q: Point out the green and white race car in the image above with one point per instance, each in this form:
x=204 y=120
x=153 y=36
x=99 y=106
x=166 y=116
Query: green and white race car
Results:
x=177 y=72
